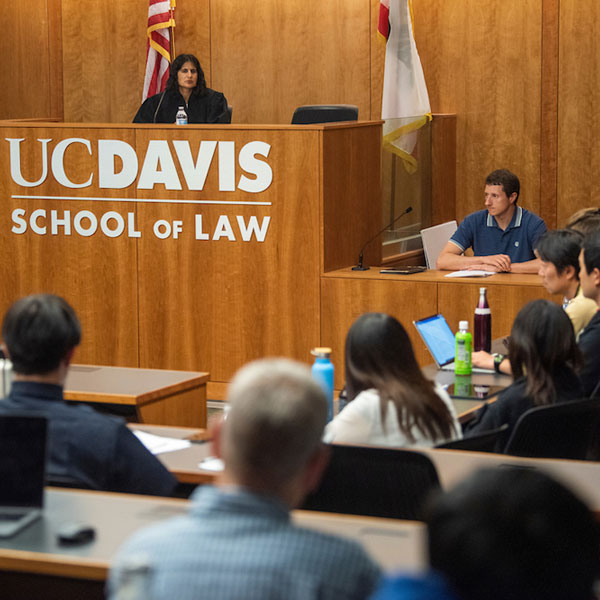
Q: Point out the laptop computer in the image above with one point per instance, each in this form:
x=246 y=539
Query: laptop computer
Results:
x=439 y=339
x=22 y=470
x=434 y=239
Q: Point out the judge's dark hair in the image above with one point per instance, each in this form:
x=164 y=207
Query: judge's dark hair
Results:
x=509 y=181
x=561 y=247
x=38 y=332
x=591 y=251
x=173 y=86
x=514 y=533
x=379 y=356
x=542 y=345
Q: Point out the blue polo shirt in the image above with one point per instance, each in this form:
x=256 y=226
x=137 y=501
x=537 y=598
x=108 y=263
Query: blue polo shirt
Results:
x=480 y=231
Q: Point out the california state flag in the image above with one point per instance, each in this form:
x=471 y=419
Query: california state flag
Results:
x=405 y=107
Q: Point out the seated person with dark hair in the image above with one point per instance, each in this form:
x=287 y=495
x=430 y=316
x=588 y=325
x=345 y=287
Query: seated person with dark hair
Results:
x=558 y=252
x=544 y=359
x=589 y=340
x=505 y=534
x=502 y=236
x=40 y=334
x=186 y=87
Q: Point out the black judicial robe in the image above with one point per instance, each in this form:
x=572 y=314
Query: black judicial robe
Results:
x=210 y=107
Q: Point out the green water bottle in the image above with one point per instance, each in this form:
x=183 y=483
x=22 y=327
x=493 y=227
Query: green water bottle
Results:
x=463 y=349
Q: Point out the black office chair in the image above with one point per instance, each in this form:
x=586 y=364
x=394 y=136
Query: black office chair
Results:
x=565 y=430
x=493 y=440
x=324 y=113
x=377 y=482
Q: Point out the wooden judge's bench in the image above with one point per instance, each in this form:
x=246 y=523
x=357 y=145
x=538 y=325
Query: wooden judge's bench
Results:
x=200 y=248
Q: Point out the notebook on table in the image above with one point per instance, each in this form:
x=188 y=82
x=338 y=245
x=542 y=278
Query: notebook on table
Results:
x=22 y=471
x=439 y=339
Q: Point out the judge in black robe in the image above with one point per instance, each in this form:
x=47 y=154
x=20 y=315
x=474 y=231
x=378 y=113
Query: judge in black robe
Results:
x=186 y=87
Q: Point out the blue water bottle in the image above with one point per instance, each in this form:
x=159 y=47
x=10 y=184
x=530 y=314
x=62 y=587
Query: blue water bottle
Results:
x=322 y=371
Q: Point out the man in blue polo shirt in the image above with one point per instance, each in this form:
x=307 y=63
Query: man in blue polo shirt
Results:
x=502 y=236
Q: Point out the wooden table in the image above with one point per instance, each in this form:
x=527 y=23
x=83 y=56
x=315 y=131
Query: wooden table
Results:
x=158 y=396
x=583 y=477
x=346 y=294
x=33 y=560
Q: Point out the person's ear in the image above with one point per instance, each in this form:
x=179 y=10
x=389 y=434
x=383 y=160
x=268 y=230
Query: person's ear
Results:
x=69 y=356
x=513 y=197
x=596 y=276
x=569 y=272
x=5 y=350
x=315 y=468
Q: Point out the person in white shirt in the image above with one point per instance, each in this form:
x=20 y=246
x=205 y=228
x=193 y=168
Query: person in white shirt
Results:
x=390 y=402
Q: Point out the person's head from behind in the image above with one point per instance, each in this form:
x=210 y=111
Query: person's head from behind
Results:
x=185 y=69
x=271 y=439
x=508 y=182
x=379 y=355
x=558 y=252
x=586 y=220
x=40 y=333
x=542 y=345
x=378 y=349
x=589 y=262
x=514 y=533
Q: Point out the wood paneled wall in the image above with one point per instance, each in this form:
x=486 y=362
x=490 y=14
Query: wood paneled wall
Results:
x=481 y=59
x=578 y=106
x=521 y=75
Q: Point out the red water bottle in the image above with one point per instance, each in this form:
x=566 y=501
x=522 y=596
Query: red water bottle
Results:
x=482 y=340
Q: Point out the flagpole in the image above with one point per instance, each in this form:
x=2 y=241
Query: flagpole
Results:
x=172 y=27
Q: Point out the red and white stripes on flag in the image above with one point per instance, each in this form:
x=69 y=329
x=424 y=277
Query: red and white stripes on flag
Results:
x=158 y=53
x=405 y=106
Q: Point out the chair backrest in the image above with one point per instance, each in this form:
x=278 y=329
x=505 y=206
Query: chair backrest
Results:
x=324 y=113
x=565 y=430
x=492 y=440
x=377 y=482
x=434 y=239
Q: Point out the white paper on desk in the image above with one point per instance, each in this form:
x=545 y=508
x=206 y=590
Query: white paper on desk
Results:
x=157 y=444
x=211 y=463
x=474 y=273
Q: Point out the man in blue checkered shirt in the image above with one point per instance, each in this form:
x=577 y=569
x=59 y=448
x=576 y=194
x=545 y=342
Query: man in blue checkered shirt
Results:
x=238 y=541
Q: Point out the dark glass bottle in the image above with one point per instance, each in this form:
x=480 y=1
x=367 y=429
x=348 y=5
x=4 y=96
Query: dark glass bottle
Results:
x=482 y=340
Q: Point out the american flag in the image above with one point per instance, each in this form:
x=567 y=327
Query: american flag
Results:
x=158 y=53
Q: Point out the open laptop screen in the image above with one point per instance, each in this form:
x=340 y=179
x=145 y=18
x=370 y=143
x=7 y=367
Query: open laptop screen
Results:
x=438 y=337
x=22 y=461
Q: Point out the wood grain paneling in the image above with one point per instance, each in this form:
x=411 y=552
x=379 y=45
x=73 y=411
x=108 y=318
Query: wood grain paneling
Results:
x=549 y=112
x=24 y=47
x=481 y=60
x=96 y=275
x=344 y=300
x=104 y=48
x=578 y=99
x=269 y=56
x=351 y=195
x=219 y=303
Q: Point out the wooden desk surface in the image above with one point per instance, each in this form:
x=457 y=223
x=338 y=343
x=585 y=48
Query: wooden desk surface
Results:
x=121 y=385
x=583 y=477
x=392 y=543
x=434 y=276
